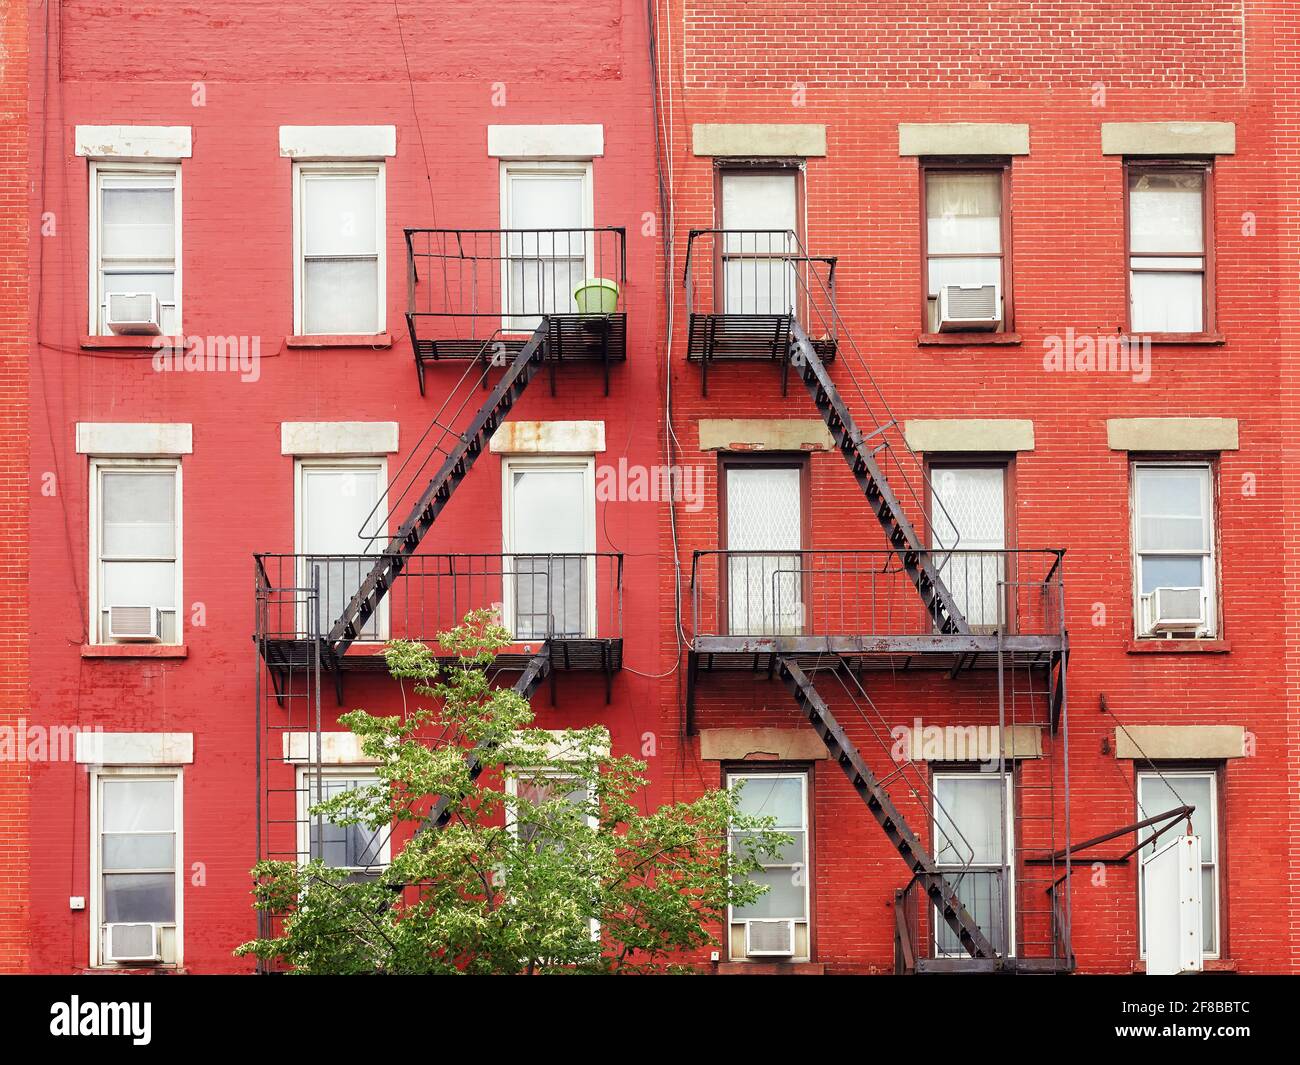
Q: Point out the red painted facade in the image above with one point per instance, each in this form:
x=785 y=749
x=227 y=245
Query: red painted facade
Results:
x=234 y=74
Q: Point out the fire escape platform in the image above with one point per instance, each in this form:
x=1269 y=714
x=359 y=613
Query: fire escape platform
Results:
x=744 y=337
x=586 y=654
x=885 y=652
x=569 y=338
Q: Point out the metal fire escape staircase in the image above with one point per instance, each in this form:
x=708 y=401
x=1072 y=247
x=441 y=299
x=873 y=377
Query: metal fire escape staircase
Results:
x=456 y=465
x=860 y=451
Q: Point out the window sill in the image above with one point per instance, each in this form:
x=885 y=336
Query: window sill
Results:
x=967 y=340
x=133 y=343
x=1180 y=338
x=1212 y=965
x=340 y=340
x=770 y=968
x=134 y=650
x=1178 y=647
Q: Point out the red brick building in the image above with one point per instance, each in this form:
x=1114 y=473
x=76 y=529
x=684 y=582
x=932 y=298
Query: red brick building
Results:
x=15 y=486
x=1012 y=271
x=935 y=155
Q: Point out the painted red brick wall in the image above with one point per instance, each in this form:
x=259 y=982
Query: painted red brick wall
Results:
x=305 y=64
x=15 y=486
x=1063 y=69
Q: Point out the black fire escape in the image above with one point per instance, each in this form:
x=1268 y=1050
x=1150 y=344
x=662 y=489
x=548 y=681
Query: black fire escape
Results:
x=828 y=619
x=492 y=308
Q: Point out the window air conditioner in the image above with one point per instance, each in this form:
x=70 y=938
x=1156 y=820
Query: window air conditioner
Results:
x=963 y=307
x=133 y=314
x=769 y=939
x=133 y=942
x=1177 y=608
x=134 y=623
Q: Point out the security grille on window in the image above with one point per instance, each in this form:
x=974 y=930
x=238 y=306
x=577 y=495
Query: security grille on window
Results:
x=760 y=212
x=339 y=283
x=356 y=847
x=972 y=836
x=969 y=514
x=781 y=914
x=1160 y=792
x=1167 y=223
x=1174 y=538
x=135 y=234
x=137 y=568
x=964 y=252
x=764 y=535
x=138 y=861
x=545 y=207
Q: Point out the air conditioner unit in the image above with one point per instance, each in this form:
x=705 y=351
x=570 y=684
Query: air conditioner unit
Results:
x=769 y=938
x=133 y=314
x=963 y=307
x=134 y=623
x=1177 y=608
x=132 y=942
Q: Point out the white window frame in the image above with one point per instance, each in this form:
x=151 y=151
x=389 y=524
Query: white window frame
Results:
x=1008 y=843
x=97 y=776
x=511 y=168
x=511 y=776
x=377 y=463
x=306 y=778
x=802 y=776
x=587 y=465
x=1210 y=563
x=357 y=167
x=99 y=168
x=1173 y=775
x=97 y=467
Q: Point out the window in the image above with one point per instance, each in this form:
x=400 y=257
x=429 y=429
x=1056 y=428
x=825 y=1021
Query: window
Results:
x=135 y=238
x=760 y=210
x=342 y=519
x=550 y=537
x=763 y=529
x=784 y=797
x=547 y=208
x=966 y=239
x=1159 y=792
x=969 y=513
x=135 y=519
x=355 y=847
x=339 y=249
x=973 y=837
x=1170 y=244
x=1173 y=534
x=136 y=858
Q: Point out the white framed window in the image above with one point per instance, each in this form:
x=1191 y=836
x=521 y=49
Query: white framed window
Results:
x=787 y=875
x=358 y=848
x=969 y=513
x=764 y=535
x=135 y=238
x=964 y=234
x=1174 y=555
x=136 y=865
x=341 y=520
x=338 y=249
x=1168 y=231
x=758 y=271
x=549 y=534
x=973 y=836
x=135 y=544
x=1159 y=792
x=540 y=270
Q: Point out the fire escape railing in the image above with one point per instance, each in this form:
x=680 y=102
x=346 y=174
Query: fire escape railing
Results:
x=868 y=593
x=540 y=597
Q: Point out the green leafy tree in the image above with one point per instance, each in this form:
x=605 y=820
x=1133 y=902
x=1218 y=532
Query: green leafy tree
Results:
x=548 y=864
